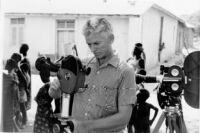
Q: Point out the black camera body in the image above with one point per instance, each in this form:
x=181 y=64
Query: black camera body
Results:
x=171 y=88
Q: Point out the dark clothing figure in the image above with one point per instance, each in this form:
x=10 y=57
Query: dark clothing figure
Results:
x=23 y=50
x=141 y=120
x=27 y=70
x=10 y=97
x=139 y=52
x=23 y=96
x=140 y=117
x=138 y=60
x=43 y=122
x=44 y=112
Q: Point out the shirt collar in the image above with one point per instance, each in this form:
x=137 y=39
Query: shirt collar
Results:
x=114 y=61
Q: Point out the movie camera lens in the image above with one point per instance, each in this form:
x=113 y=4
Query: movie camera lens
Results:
x=175 y=86
x=174 y=72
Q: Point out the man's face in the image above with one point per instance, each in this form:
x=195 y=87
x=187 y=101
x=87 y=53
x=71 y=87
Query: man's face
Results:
x=99 y=44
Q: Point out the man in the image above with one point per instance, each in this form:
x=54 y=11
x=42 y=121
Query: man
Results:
x=105 y=105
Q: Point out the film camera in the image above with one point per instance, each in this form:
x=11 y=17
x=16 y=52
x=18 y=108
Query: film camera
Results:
x=71 y=74
x=171 y=88
x=169 y=96
x=178 y=81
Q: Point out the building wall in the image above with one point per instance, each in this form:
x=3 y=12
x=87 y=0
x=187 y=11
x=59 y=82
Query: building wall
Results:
x=8 y=47
x=151 y=34
x=135 y=32
x=169 y=37
x=180 y=37
x=40 y=34
x=184 y=37
x=121 y=43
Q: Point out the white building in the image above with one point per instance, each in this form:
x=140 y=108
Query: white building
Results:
x=50 y=25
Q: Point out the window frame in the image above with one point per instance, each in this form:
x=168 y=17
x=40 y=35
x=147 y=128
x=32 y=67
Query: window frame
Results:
x=17 y=37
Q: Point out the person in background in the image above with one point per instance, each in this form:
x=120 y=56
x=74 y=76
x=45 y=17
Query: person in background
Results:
x=17 y=58
x=105 y=104
x=22 y=93
x=24 y=50
x=25 y=71
x=140 y=118
x=140 y=47
x=10 y=98
x=138 y=59
x=43 y=123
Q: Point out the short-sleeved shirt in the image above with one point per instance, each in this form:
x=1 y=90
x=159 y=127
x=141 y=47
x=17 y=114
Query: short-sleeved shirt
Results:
x=133 y=62
x=106 y=88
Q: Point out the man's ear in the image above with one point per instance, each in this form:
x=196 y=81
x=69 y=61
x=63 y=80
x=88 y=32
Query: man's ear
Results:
x=111 y=38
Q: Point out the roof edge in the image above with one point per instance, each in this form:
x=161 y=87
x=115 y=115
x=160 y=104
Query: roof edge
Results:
x=167 y=12
x=66 y=14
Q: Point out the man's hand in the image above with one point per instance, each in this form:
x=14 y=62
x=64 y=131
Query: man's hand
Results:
x=54 y=89
x=79 y=126
x=159 y=78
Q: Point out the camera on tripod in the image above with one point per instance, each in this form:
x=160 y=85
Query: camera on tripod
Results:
x=172 y=86
x=178 y=81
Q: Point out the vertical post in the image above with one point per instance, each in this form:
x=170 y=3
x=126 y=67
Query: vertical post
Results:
x=160 y=39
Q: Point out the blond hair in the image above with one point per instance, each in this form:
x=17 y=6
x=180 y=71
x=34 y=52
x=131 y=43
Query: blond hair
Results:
x=97 y=25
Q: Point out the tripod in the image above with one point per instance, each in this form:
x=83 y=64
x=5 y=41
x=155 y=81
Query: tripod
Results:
x=174 y=120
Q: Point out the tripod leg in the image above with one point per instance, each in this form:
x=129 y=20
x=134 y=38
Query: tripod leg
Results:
x=183 y=128
x=171 y=124
x=159 y=123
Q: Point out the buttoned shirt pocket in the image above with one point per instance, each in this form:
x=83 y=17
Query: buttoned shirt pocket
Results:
x=108 y=103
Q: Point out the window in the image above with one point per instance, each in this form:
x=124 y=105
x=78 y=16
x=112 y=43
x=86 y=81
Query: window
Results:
x=67 y=24
x=17 y=30
x=65 y=36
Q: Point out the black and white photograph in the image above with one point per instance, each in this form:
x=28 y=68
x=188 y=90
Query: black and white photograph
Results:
x=100 y=66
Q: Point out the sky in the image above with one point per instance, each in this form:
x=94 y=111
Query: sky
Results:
x=178 y=7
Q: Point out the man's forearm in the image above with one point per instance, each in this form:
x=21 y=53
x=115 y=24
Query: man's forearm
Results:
x=116 y=121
